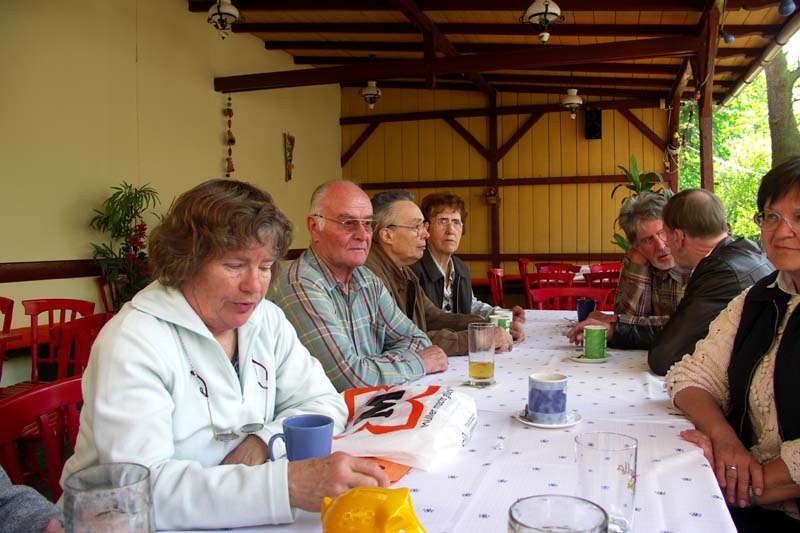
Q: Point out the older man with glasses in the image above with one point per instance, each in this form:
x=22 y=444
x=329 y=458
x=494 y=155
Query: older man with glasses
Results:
x=342 y=312
x=400 y=235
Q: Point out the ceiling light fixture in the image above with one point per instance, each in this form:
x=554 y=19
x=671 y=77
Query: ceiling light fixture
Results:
x=371 y=94
x=222 y=15
x=786 y=8
x=542 y=13
x=572 y=102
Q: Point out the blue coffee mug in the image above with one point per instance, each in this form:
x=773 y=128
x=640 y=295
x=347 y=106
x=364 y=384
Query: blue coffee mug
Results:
x=305 y=437
x=547 y=398
x=585 y=306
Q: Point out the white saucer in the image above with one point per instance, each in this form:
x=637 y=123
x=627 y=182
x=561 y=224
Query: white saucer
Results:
x=573 y=418
x=582 y=359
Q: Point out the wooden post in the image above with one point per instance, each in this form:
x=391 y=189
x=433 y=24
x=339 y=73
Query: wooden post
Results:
x=706 y=56
x=494 y=180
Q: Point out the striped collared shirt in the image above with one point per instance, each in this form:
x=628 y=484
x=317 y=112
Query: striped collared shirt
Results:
x=360 y=336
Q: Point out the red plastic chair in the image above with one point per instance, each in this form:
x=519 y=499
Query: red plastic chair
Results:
x=540 y=280
x=605 y=267
x=7 y=310
x=496 y=286
x=563 y=298
x=551 y=268
x=51 y=410
x=604 y=280
x=59 y=311
x=75 y=343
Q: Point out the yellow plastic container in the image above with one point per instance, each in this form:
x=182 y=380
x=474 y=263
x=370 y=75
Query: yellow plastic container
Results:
x=370 y=510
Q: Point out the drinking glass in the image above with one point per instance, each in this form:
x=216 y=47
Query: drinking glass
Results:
x=481 y=354
x=556 y=513
x=113 y=497
x=607 y=475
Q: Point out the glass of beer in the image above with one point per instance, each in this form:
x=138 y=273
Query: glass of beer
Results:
x=481 y=353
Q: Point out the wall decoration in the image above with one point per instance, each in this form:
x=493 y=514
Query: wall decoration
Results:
x=230 y=140
x=288 y=154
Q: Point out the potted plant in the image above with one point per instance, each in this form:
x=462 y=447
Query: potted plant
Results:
x=124 y=258
x=490 y=195
x=637 y=184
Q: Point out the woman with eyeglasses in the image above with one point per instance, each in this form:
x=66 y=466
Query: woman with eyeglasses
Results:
x=195 y=374
x=740 y=386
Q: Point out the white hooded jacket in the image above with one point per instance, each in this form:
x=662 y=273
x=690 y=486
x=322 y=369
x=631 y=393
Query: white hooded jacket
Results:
x=142 y=405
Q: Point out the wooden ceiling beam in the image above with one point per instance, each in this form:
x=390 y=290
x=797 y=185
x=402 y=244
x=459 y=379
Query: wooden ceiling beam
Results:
x=426 y=26
x=561 y=29
x=526 y=89
x=529 y=57
x=471 y=5
x=643 y=103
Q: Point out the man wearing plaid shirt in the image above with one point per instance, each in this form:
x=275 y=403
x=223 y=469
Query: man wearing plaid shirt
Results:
x=650 y=284
x=342 y=312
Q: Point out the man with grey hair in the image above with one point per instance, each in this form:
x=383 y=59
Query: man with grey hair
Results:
x=721 y=268
x=342 y=312
x=399 y=242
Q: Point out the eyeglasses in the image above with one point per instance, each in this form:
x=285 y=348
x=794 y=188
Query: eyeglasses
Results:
x=225 y=436
x=443 y=223
x=351 y=225
x=417 y=228
x=661 y=235
x=771 y=220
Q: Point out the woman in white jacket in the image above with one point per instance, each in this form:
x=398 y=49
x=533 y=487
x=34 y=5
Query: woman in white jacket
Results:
x=194 y=375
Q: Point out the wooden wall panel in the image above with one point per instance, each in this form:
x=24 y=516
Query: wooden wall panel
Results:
x=569 y=218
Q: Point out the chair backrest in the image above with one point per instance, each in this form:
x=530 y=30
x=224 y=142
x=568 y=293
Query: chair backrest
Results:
x=605 y=280
x=496 y=287
x=542 y=279
x=564 y=297
x=523 y=266
x=35 y=407
x=605 y=267
x=550 y=268
x=59 y=311
x=75 y=343
x=7 y=310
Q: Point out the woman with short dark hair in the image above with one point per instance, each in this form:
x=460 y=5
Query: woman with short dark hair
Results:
x=740 y=386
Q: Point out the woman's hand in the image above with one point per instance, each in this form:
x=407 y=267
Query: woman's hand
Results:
x=313 y=479
x=251 y=451
x=701 y=440
x=735 y=467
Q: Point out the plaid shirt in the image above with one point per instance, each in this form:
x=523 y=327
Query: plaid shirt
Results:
x=646 y=295
x=361 y=337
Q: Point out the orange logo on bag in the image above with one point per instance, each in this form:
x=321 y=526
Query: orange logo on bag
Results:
x=384 y=405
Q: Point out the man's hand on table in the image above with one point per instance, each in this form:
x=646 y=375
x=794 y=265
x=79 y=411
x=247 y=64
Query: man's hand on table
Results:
x=575 y=334
x=517 y=331
x=517 y=314
x=502 y=340
x=251 y=451
x=313 y=479
x=434 y=359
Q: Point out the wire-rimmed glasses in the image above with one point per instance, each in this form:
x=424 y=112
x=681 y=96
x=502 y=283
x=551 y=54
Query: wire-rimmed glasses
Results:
x=444 y=222
x=351 y=225
x=771 y=220
x=417 y=228
x=252 y=427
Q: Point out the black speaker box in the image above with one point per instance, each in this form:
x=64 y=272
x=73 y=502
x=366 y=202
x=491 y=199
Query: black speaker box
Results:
x=594 y=123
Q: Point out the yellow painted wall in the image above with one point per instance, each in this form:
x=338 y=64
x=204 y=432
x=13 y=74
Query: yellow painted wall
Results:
x=94 y=92
x=534 y=218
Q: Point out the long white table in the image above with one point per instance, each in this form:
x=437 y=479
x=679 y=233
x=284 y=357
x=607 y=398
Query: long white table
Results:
x=506 y=460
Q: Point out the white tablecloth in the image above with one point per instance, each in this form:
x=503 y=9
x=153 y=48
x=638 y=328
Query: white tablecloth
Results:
x=506 y=460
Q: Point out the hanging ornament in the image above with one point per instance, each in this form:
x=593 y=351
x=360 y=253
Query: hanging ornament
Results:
x=230 y=140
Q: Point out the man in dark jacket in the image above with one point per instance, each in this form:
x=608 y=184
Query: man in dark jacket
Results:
x=722 y=267
x=398 y=242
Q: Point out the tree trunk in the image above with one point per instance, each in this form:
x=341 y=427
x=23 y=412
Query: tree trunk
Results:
x=782 y=124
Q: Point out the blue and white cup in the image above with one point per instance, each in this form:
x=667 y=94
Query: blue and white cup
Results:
x=547 y=398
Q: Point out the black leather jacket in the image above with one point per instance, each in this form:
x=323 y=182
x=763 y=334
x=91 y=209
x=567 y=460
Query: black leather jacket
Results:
x=432 y=281
x=731 y=267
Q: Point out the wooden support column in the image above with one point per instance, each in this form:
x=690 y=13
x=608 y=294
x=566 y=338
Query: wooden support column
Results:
x=706 y=56
x=494 y=181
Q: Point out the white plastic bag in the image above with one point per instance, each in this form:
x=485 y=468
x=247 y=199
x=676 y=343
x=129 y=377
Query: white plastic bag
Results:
x=414 y=425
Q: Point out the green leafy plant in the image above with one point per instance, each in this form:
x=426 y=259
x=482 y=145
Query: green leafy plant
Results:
x=123 y=258
x=637 y=184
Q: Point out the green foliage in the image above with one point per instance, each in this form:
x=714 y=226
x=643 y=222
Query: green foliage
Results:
x=123 y=259
x=637 y=184
x=741 y=149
